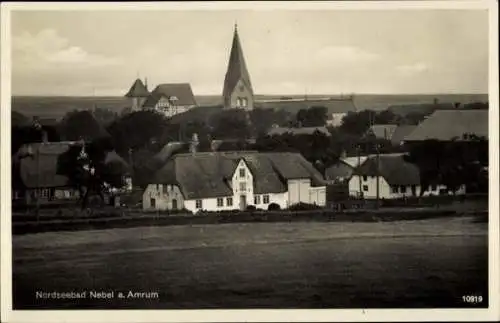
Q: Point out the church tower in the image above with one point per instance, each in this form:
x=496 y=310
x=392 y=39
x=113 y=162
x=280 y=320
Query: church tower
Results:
x=237 y=92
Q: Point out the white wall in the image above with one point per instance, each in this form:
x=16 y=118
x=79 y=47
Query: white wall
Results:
x=335 y=119
x=386 y=191
x=247 y=180
x=317 y=195
x=164 y=196
x=298 y=191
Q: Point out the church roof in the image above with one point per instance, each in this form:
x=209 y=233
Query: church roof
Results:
x=182 y=93
x=137 y=90
x=236 y=69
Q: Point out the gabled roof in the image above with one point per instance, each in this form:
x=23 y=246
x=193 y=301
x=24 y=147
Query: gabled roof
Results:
x=393 y=168
x=339 y=170
x=37 y=164
x=180 y=93
x=236 y=69
x=298 y=131
x=382 y=131
x=451 y=124
x=206 y=175
x=401 y=132
x=137 y=90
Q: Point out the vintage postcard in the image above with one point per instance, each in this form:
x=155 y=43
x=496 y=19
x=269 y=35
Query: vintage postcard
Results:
x=249 y=161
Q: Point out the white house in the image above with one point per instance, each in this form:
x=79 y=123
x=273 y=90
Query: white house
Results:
x=216 y=181
x=397 y=179
x=171 y=99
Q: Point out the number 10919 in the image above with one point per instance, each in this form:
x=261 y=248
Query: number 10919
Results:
x=472 y=299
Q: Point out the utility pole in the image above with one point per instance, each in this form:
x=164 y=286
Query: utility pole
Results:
x=358 y=150
x=37 y=190
x=378 y=175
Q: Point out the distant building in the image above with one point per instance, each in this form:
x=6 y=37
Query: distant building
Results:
x=397 y=179
x=36 y=174
x=237 y=91
x=298 y=131
x=171 y=99
x=399 y=135
x=447 y=125
x=138 y=93
x=216 y=181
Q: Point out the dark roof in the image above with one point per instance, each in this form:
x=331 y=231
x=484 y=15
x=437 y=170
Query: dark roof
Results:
x=339 y=170
x=401 y=132
x=205 y=175
x=451 y=124
x=137 y=90
x=298 y=131
x=382 y=131
x=393 y=168
x=39 y=166
x=236 y=69
x=181 y=91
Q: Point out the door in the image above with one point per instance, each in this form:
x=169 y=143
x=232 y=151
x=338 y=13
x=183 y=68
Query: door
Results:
x=174 y=204
x=243 y=202
x=414 y=190
x=153 y=203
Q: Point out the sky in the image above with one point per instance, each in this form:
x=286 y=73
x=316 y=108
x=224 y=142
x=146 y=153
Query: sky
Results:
x=86 y=53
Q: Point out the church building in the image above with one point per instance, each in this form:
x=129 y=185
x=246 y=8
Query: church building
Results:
x=237 y=92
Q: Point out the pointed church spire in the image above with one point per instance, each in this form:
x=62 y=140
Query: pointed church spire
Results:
x=237 y=76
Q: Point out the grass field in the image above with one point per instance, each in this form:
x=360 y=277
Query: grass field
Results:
x=57 y=107
x=426 y=263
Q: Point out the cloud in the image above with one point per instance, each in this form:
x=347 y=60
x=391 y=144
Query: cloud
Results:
x=47 y=49
x=412 y=69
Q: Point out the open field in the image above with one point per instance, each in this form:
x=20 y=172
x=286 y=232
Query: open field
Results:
x=426 y=263
x=57 y=107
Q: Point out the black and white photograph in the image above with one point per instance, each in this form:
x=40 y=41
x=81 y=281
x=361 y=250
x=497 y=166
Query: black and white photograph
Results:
x=255 y=156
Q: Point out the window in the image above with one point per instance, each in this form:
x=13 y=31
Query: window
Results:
x=153 y=203
x=199 y=204
x=243 y=187
x=403 y=189
x=256 y=199
x=242 y=172
x=266 y=199
x=44 y=193
x=395 y=189
x=220 y=202
x=433 y=187
x=229 y=201
x=238 y=102
x=244 y=102
x=365 y=188
x=365 y=178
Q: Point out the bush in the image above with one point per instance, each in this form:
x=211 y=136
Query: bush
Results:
x=251 y=208
x=273 y=207
x=304 y=207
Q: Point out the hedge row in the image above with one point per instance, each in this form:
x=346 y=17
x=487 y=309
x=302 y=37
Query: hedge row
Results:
x=226 y=217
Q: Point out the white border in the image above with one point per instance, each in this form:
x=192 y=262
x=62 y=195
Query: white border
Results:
x=491 y=314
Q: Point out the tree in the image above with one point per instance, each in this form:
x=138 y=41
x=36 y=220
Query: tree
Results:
x=313 y=117
x=451 y=163
x=81 y=125
x=231 y=124
x=357 y=123
x=104 y=116
x=87 y=170
x=386 y=117
x=141 y=129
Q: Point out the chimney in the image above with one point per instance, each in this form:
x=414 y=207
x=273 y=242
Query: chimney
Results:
x=146 y=83
x=193 y=147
